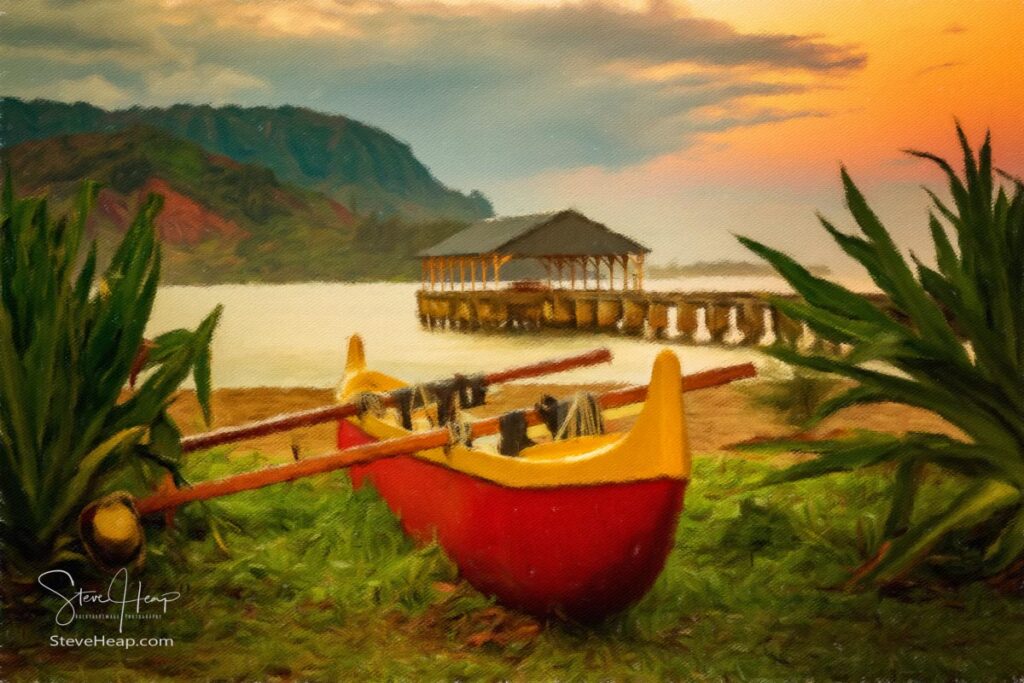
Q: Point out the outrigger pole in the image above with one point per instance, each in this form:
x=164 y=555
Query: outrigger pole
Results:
x=334 y=412
x=167 y=500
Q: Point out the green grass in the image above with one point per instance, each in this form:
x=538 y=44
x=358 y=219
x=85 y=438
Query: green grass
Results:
x=316 y=582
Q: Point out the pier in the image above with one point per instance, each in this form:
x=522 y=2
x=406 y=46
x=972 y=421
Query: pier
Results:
x=730 y=318
x=586 y=277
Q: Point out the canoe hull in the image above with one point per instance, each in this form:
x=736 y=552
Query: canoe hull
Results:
x=578 y=551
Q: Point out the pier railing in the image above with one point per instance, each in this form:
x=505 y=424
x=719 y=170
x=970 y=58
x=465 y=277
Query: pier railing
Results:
x=688 y=317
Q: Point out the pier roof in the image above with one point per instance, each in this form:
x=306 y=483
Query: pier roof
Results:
x=558 y=233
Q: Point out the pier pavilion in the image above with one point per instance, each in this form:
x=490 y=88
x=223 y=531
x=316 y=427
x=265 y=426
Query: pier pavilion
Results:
x=594 y=281
x=575 y=252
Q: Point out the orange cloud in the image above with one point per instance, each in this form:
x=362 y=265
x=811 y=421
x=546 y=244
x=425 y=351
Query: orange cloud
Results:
x=928 y=62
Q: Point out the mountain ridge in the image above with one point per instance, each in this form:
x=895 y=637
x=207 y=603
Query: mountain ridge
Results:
x=222 y=221
x=357 y=164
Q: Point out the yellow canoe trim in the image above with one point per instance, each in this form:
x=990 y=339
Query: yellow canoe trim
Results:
x=655 y=448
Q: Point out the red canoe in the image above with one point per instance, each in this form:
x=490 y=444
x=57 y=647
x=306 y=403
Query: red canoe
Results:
x=578 y=528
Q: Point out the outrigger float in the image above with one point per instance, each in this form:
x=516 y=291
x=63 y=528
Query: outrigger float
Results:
x=575 y=527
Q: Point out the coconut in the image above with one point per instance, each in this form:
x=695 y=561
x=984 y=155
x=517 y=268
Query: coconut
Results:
x=111 y=531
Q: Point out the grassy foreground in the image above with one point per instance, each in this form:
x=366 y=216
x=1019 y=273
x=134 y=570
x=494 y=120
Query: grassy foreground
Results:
x=313 y=581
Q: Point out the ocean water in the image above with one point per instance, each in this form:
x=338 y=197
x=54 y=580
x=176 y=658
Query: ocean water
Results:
x=296 y=335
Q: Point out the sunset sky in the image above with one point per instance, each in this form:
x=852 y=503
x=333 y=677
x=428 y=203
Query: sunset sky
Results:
x=680 y=123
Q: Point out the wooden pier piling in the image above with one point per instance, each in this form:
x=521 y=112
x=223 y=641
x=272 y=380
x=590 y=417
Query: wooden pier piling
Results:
x=686 y=320
x=657 y=319
x=746 y=318
x=609 y=310
x=718 y=319
x=586 y=313
x=634 y=313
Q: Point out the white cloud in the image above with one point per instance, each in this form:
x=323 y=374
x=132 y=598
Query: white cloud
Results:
x=92 y=88
x=202 y=83
x=479 y=89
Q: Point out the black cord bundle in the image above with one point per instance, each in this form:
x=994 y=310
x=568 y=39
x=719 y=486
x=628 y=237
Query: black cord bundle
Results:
x=470 y=391
x=404 y=399
x=553 y=412
x=512 y=427
x=580 y=416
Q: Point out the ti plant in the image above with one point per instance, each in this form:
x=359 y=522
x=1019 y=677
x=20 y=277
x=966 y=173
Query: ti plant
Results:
x=69 y=337
x=951 y=341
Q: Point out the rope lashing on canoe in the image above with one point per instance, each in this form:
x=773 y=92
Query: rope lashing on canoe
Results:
x=512 y=428
x=580 y=416
x=460 y=433
x=583 y=417
x=370 y=402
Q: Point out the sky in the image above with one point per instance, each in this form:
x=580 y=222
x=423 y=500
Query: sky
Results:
x=679 y=123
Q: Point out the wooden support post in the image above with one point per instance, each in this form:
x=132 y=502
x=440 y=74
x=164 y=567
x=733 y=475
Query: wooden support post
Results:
x=640 y=272
x=496 y=283
x=611 y=273
x=625 y=271
x=462 y=274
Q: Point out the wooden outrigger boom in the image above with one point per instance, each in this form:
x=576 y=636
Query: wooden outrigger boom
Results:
x=334 y=412
x=167 y=500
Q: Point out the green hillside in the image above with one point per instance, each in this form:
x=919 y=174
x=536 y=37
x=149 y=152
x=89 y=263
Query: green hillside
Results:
x=356 y=164
x=223 y=221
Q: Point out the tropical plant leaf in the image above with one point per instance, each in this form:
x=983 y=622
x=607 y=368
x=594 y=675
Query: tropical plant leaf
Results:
x=951 y=341
x=904 y=493
x=864 y=450
x=68 y=342
x=976 y=504
x=76 y=489
x=1008 y=547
